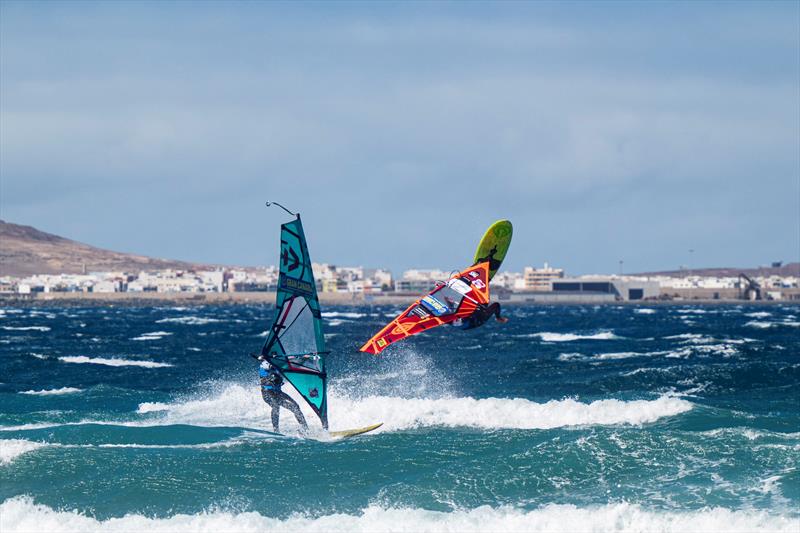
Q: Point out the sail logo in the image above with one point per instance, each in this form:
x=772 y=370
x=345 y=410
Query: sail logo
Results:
x=292 y=263
x=296 y=285
x=313 y=393
x=434 y=305
x=420 y=312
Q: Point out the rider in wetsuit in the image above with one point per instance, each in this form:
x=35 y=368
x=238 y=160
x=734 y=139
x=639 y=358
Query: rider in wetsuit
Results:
x=271 y=382
x=479 y=317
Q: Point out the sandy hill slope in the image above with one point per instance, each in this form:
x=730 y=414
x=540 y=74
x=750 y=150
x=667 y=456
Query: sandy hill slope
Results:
x=790 y=269
x=24 y=250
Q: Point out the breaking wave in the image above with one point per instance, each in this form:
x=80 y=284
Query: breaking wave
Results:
x=766 y=325
x=342 y=314
x=52 y=392
x=10 y=449
x=723 y=349
x=758 y=324
x=189 y=320
x=622 y=355
x=26 y=328
x=243 y=406
x=152 y=336
x=111 y=361
x=567 y=337
x=21 y=513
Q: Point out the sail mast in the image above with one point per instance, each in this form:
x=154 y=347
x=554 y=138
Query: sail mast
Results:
x=295 y=344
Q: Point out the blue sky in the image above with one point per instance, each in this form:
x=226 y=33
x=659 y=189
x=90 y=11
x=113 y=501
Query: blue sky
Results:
x=603 y=131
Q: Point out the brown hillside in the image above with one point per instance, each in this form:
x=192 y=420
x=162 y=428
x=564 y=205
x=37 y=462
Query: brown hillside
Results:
x=24 y=250
x=790 y=269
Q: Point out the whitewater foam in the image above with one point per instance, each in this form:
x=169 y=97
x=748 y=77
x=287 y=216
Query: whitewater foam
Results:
x=26 y=328
x=152 y=336
x=10 y=449
x=611 y=356
x=52 y=392
x=111 y=361
x=21 y=513
x=767 y=325
x=620 y=355
x=748 y=433
x=28 y=427
x=41 y=313
x=236 y=405
x=499 y=413
x=204 y=446
x=725 y=350
x=151 y=407
x=340 y=314
x=644 y=311
x=188 y=320
x=231 y=405
x=692 y=338
x=644 y=370
x=567 y=337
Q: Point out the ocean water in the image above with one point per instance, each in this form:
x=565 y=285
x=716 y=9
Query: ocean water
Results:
x=573 y=418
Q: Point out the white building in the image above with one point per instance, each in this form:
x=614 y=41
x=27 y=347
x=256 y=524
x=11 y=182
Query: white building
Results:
x=512 y=281
x=541 y=279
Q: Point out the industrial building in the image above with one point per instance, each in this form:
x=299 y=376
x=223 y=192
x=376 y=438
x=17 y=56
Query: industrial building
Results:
x=594 y=289
x=621 y=288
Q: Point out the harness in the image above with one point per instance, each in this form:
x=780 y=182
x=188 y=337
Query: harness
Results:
x=270 y=379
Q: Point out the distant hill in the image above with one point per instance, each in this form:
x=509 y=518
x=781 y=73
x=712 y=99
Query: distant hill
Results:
x=789 y=269
x=25 y=250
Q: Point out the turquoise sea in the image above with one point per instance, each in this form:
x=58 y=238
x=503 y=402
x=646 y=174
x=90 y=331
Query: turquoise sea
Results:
x=568 y=418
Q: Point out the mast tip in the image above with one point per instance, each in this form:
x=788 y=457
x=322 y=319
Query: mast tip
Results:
x=279 y=205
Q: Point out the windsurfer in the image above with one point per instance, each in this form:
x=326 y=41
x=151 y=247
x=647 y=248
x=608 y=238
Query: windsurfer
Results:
x=479 y=317
x=271 y=382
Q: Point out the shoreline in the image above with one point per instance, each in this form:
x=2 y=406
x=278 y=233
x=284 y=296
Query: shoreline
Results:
x=66 y=299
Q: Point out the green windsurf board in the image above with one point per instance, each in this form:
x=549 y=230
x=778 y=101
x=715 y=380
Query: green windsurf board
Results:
x=494 y=245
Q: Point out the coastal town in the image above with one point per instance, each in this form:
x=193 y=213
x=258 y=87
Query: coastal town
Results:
x=41 y=267
x=543 y=284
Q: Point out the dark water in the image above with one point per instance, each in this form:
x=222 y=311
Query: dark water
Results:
x=565 y=418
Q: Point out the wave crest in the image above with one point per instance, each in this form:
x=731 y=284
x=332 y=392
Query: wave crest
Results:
x=238 y=405
x=188 y=320
x=22 y=514
x=52 y=392
x=10 y=449
x=567 y=337
x=111 y=361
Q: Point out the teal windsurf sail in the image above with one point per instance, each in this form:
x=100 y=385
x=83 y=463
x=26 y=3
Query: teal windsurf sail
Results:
x=296 y=344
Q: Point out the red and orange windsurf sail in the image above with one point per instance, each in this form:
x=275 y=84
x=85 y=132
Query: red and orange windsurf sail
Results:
x=455 y=299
